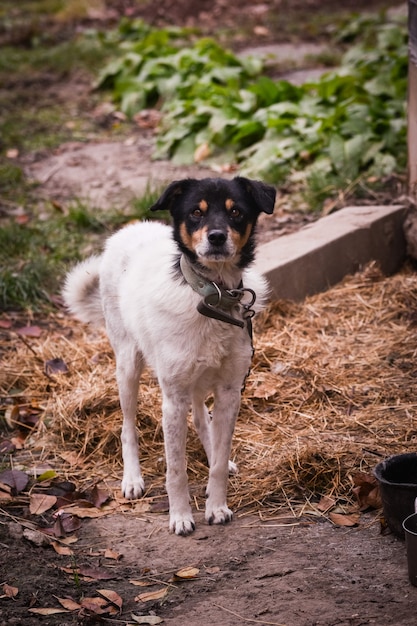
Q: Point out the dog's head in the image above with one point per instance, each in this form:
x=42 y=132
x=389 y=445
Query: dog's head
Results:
x=214 y=219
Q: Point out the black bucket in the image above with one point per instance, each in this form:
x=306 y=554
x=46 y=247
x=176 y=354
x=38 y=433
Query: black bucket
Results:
x=397 y=477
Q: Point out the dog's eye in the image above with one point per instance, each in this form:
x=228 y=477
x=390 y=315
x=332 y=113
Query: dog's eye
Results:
x=234 y=212
x=197 y=213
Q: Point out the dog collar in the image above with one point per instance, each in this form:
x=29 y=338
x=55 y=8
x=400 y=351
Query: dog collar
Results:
x=218 y=302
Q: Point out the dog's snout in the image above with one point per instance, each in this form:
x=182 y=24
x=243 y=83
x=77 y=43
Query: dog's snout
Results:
x=217 y=237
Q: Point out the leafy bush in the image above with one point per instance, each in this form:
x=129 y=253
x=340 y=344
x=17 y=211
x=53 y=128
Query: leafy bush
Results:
x=321 y=136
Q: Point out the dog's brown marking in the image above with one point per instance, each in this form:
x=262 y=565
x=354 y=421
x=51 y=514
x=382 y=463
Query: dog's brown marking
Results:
x=186 y=237
x=198 y=236
x=239 y=239
x=229 y=204
x=203 y=205
x=191 y=240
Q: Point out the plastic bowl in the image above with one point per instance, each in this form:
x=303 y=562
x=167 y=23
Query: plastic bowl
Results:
x=397 y=477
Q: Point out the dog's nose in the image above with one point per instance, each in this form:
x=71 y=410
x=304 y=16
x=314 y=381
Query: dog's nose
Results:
x=217 y=237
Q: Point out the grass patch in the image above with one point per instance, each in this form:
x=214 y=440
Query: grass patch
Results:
x=34 y=256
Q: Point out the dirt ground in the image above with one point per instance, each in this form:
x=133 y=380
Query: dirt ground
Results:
x=287 y=571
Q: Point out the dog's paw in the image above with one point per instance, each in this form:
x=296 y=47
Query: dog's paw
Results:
x=233 y=469
x=218 y=515
x=181 y=524
x=133 y=488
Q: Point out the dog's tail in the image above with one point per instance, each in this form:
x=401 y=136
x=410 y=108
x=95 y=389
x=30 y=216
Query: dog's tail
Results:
x=81 y=291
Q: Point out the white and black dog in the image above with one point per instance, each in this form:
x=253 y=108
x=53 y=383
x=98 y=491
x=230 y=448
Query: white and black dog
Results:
x=180 y=300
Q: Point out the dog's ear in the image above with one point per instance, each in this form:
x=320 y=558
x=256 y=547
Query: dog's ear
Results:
x=262 y=194
x=175 y=189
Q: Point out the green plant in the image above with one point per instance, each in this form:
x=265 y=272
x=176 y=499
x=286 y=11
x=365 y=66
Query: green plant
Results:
x=320 y=136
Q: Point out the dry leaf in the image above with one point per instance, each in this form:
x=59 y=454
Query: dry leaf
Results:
x=69 y=603
x=96 y=605
x=326 y=503
x=5 y=492
x=265 y=389
x=47 y=611
x=111 y=554
x=366 y=490
x=62 y=550
x=152 y=595
x=40 y=502
x=112 y=597
x=187 y=572
x=29 y=331
x=142 y=583
x=147 y=619
x=11 y=416
x=345 y=520
x=56 y=366
x=9 y=591
x=16 y=479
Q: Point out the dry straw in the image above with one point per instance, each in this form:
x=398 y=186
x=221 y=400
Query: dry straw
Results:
x=332 y=390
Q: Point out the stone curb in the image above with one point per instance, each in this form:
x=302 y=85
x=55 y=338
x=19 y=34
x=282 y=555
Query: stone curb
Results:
x=323 y=253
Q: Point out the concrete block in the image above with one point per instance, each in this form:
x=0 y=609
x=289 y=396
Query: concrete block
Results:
x=323 y=253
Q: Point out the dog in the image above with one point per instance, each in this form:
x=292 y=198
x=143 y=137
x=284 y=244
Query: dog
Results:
x=180 y=299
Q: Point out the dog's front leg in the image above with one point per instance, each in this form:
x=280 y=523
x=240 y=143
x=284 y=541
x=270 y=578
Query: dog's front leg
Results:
x=128 y=370
x=226 y=408
x=174 y=421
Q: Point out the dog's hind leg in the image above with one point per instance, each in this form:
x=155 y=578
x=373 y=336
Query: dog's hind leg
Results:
x=129 y=366
x=175 y=407
x=226 y=407
x=202 y=423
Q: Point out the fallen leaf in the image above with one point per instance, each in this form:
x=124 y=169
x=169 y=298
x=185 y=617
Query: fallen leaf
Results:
x=95 y=605
x=47 y=611
x=65 y=524
x=12 y=153
x=265 y=389
x=48 y=474
x=326 y=503
x=29 y=331
x=5 y=492
x=345 y=520
x=111 y=554
x=98 y=496
x=61 y=550
x=9 y=591
x=85 y=511
x=187 y=573
x=142 y=583
x=147 y=619
x=69 y=603
x=152 y=595
x=7 y=446
x=11 y=416
x=41 y=502
x=112 y=597
x=16 y=479
x=56 y=366
x=366 y=490
x=18 y=442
